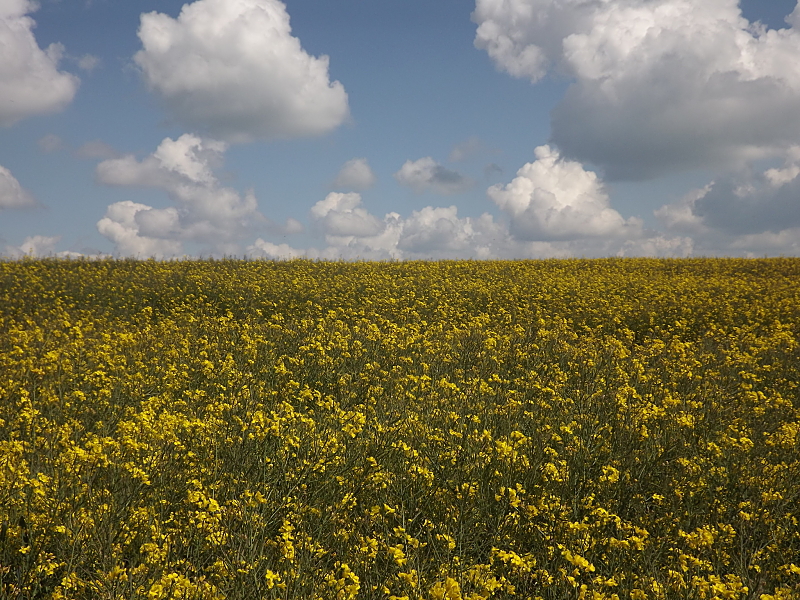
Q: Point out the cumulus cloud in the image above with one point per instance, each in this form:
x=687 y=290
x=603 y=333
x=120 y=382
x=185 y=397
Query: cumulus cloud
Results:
x=42 y=245
x=785 y=242
x=121 y=226
x=681 y=216
x=351 y=232
x=659 y=86
x=440 y=233
x=658 y=246
x=264 y=249
x=30 y=82
x=748 y=211
x=557 y=199
x=12 y=194
x=205 y=211
x=750 y=204
x=234 y=70
x=39 y=245
x=426 y=174
x=342 y=215
x=355 y=175
x=36 y=246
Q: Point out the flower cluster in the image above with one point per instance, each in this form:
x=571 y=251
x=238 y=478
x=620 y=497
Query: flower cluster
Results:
x=613 y=429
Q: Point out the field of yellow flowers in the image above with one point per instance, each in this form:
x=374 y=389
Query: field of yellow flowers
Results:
x=568 y=429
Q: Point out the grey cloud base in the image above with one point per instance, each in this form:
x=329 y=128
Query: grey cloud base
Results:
x=658 y=85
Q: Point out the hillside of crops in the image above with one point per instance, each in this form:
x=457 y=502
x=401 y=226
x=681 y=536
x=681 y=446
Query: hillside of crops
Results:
x=620 y=429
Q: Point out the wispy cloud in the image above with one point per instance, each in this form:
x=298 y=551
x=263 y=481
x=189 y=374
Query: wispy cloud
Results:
x=426 y=174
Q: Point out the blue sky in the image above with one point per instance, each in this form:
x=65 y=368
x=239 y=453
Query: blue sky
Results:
x=445 y=129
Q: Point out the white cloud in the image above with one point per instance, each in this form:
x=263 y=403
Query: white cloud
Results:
x=205 y=211
x=342 y=215
x=356 y=175
x=681 y=216
x=426 y=174
x=121 y=226
x=556 y=199
x=351 y=232
x=234 y=70
x=789 y=172
x=785 y=242
x=513 y=34
x=30 y=82
x=293 y=226
x=264 y=249
x=12 y=194
x=35 y=246
x=658 y=246
x=440 y=233
x=39 y=245
x=659 y=85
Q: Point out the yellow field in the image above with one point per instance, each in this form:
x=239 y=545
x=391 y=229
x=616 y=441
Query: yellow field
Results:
x=624 y=428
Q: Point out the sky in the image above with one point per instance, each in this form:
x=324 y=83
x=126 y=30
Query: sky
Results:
x=399 y=129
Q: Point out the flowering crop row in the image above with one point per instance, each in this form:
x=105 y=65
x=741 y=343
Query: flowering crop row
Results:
x=609 y=429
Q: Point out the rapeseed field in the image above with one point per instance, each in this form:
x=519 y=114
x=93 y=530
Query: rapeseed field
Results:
x=566 y=429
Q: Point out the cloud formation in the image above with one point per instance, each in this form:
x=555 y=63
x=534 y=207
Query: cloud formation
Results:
x=355 y=175
x=426 y=174
x=432 y=232
x=37 y=246
x=264 y=249
x=30 y=82
x=12 y=194
x=440 y=233
x=743 y=212
x=350 y=231
x=233 y=70
x=205 y=212
x=556 y=199
x=341 y=215
x=121 y=226
x=659 y=86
